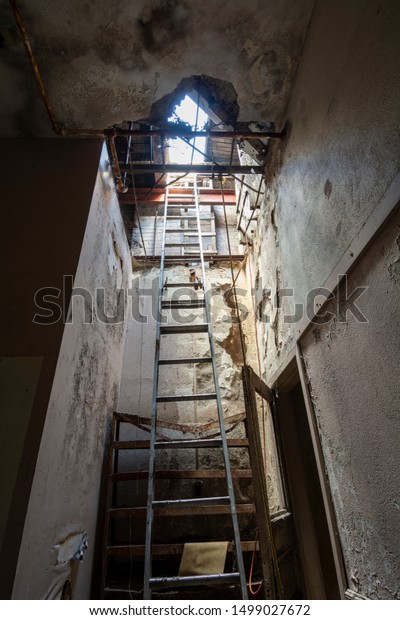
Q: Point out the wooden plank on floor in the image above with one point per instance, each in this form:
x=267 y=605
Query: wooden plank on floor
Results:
x=260 y=487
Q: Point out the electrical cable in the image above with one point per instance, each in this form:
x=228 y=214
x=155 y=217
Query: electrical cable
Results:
x=253 y=557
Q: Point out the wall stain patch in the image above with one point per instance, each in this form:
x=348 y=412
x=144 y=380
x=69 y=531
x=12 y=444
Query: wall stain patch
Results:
x=328 y=188
x=232 y=345
x=161 y=25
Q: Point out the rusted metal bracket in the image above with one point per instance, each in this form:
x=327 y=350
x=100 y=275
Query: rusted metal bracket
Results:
x=110 y=139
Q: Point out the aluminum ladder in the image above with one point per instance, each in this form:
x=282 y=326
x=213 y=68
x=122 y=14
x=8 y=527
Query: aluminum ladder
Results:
x=151 y=583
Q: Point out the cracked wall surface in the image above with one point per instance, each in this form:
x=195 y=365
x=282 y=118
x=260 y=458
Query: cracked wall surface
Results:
x=359 y=419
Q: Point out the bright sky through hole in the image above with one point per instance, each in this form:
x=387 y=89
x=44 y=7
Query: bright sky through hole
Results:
x=179 y=152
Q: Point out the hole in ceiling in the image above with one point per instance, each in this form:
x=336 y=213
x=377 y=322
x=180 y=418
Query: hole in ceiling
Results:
x=191 y=115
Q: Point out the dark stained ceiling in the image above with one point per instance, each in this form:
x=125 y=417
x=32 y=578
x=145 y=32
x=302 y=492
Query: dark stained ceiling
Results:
x=106 y=62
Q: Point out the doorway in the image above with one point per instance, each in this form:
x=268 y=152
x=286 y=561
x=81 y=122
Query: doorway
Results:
x=307 y=494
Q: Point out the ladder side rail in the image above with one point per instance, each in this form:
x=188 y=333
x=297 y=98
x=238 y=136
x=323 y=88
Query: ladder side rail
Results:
x=231 y=493
x=109 y=504
x=150 y=488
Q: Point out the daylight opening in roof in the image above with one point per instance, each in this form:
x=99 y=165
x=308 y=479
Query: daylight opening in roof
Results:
x=181 y=151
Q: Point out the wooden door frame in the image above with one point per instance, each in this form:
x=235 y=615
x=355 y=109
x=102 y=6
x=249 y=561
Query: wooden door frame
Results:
x=291 y=375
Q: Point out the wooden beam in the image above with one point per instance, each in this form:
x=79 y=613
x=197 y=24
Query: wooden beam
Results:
x=167 y=550
x=177 y=191
x=181 y=474
x=260 y=488
x=159 y=199
x=144 y=444
x=175 y=511
x=260 y=386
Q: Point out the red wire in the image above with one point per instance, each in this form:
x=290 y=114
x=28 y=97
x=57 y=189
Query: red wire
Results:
x=254 y=592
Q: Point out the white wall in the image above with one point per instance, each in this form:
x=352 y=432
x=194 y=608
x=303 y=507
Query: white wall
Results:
x=65 y=492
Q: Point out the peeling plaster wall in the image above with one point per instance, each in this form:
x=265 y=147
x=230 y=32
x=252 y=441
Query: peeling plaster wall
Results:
x=64 y=499
x=341 y=153
x=354 y=370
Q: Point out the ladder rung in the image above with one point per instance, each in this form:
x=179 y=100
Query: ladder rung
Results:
x=184 y=329
x=108 y=590
x=194 y=252
x=186 y=397
x=187 y=360
x=203 y=234
x=181 y=203
x=196 y=501
x=182 y=284
x=189 y=217
x=185 y=244
x=189 y=443
x=157 y=583
x=180 y=305
x=187 y=232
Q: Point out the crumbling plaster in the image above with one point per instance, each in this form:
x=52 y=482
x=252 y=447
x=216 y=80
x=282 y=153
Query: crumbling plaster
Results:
x=138 y=378
x=103 y=64
x=65 y=491
x=341 y=153
x=353 y=370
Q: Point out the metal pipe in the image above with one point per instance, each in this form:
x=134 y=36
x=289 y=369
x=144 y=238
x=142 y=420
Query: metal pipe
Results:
x=26 y=42
x=254 y=208
x=240 y=195
x=243 y=207
x=155 y=231
x=128 y=152
x=194 y=168
x=184 y=133
x=121 y=187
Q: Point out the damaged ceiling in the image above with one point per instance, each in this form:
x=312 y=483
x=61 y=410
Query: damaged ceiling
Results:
x=103 y=63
